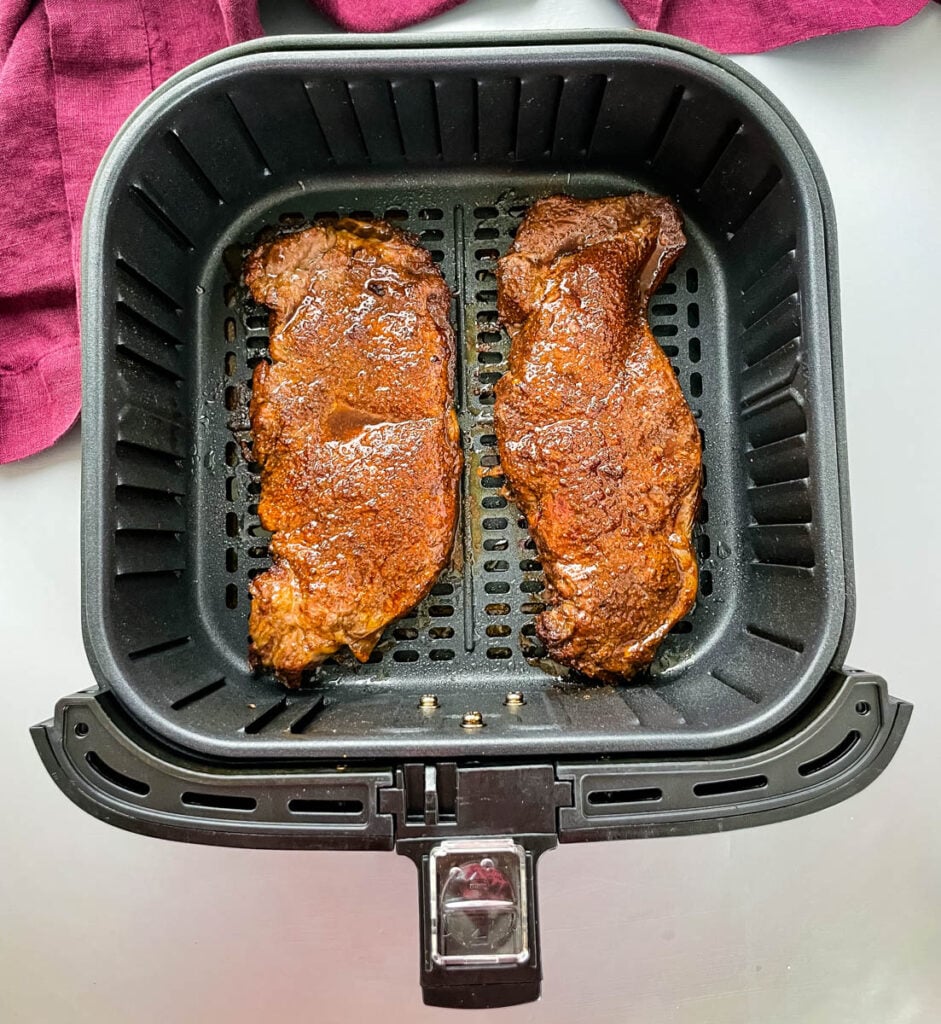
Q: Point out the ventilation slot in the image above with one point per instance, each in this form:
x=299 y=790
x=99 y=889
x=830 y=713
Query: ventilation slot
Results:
x=536 y=128
x=192 y=168
x=831 y=757
x=142 y=491
x=334 y=109
x=375 y=106
x=676 y=311
x=530 y=645
x=300 y=805
x=602 y=797
x=219 y=801
x=301 y=724
x=266 y=717
x=251 y=143
x=778 y=285
x=161 y=648
x=775 y=421
x=148 y=553
x=783 y=545
x=197 y=695
x=141 y=512
x=115 y=777
x=775 y=638
x=149 y=207
x=496 y=118
x=148 y=429
x=743 y=689
x=246 y=343
x=723 y=787
x=417 y=115
x=153 y=290
x=151 y=465
x=756 y=273
x=759 y=194
x=124 y=575
x=787 y=502
x=666 y=120
x=772 y=331
x=779 y=462
x=718 y=153
x=577 y=117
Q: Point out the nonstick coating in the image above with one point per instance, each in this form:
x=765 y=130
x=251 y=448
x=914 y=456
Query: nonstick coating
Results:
x=453 y=144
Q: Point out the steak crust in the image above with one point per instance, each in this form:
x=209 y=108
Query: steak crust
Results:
x=354 y=427
x=598 y=446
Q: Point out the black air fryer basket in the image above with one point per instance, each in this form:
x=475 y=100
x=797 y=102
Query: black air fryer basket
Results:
x=747 y=714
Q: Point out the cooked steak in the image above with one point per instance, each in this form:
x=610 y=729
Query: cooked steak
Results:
x=598 y=446
x=355 y=430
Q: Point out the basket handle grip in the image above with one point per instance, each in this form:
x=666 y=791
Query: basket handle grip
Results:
x=479 y=920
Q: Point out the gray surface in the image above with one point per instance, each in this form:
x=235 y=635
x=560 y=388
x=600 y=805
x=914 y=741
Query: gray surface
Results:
x=827 y=919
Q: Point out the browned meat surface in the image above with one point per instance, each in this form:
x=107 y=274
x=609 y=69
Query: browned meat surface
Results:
x=354 y=427
x=596 y=441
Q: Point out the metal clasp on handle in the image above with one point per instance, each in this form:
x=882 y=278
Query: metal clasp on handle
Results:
x=478 y=903
x=479 y=919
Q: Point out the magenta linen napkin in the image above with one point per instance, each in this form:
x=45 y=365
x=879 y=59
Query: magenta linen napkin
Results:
x=383 y=15
x=734 y=26
x=72 y=70
x=729 y=26
x=70 y=73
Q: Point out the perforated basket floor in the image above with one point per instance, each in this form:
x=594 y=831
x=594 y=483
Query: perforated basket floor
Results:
x=484 y=615
x=453 y=145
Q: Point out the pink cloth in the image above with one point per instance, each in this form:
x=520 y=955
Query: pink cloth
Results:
x=70 y=73
x=729 y=26
x=72 y=70
x=733 y=26
x=382 y=15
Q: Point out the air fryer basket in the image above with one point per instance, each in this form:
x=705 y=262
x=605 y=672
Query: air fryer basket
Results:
x=453 y=142
x=453 y=146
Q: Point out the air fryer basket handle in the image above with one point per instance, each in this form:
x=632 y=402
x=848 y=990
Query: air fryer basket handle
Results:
x=479 y=919
x=109 y=767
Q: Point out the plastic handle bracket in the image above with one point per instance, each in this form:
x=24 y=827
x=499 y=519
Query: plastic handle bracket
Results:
x=479 y=919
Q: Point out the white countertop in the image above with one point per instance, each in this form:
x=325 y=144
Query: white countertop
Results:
x=826 y=919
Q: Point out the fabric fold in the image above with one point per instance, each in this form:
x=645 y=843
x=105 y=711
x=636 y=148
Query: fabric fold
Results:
x=70 y=75
x=730 y=26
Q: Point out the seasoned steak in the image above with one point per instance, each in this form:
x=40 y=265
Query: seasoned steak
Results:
x=596 y=441
x=354 y=427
